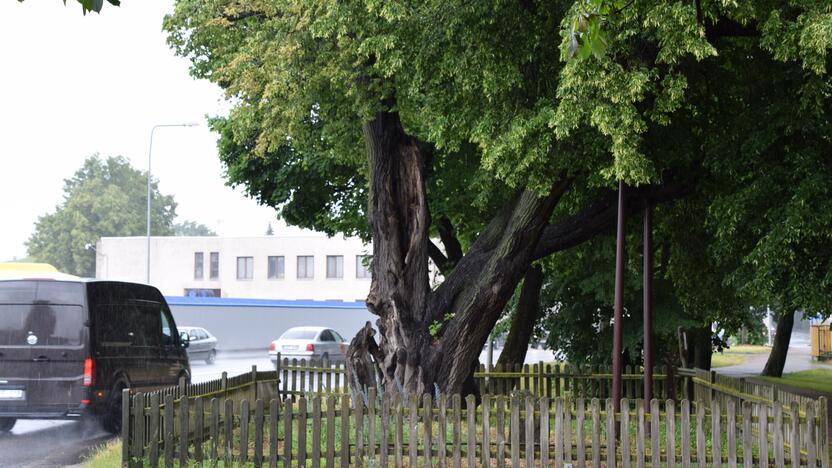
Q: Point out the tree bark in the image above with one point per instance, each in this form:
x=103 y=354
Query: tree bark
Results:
x=524 y=319
x=399 y=219
x=489 y=272
x=780 y=349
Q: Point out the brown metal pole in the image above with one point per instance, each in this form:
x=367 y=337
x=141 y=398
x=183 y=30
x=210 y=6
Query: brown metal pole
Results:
x=648 y=303
x=618 y=332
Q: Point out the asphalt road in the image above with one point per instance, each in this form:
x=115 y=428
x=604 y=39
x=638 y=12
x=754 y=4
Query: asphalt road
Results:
x=49 y=443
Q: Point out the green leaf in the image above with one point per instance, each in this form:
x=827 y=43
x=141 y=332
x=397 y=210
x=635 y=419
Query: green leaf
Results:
x=599 y=45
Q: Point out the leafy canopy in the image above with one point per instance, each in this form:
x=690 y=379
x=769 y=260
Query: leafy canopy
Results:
x=732 y=96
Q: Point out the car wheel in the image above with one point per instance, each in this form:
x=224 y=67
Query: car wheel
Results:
x=6 y=424
x=111 y=420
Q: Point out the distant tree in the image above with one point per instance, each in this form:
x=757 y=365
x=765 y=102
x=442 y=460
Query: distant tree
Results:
x=105 y=197
x=192 y=228
x=269 y=230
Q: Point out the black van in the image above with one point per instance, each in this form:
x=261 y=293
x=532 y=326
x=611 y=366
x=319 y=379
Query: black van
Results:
x=68 y=348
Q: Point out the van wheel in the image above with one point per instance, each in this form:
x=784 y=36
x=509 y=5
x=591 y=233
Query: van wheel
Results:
x=112 y=414
x=6 y=424
x=212 y=356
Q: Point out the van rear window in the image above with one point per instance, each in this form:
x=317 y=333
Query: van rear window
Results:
x=47 y=324
x=54 y=292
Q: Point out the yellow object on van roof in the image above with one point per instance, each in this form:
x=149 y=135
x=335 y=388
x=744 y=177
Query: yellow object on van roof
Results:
x=27 y=267
x=30 y=271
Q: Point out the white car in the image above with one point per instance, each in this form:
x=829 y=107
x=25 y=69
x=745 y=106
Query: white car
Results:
x=202 y=344
x=309 y=343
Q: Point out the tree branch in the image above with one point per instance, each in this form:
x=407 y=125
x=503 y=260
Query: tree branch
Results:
x=600 y=215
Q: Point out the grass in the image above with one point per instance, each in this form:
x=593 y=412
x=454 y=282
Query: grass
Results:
x=748 y=349
x=736 y=355
x=819 y=380
x=725 y=360
x=105 y=456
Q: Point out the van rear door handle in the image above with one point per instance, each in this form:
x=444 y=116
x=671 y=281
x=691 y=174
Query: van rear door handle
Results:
x=41 y=359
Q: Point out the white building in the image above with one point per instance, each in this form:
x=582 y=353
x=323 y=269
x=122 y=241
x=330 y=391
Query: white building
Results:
x=309 y=266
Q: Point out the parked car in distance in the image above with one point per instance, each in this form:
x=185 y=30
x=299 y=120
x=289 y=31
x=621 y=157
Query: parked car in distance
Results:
x=202 y=345
x=309 y=343
x=69 y=347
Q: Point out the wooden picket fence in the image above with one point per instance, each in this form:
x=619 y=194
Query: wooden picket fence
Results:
x=341 y=431
x=300 y=377
x=257 y=419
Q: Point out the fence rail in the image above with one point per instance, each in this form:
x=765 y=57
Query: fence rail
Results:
x=255 y=420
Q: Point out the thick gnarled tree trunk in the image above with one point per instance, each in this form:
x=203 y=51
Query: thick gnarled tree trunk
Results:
x=473 y=294
x=399 y=220
x=406 y=355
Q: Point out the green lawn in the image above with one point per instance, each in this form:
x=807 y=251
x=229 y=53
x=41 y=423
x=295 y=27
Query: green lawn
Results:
x=105 y=456
x=726 y=359
x=748 y=349
x=816 y=379
x=737 y=355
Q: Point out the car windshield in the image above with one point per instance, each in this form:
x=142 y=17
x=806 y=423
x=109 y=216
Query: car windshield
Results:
x=299 y=334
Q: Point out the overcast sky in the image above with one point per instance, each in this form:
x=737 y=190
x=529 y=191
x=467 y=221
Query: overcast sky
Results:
x=73 y=85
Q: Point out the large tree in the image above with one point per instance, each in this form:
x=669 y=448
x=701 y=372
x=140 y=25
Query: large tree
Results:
x=105 y=197
x=422 y=107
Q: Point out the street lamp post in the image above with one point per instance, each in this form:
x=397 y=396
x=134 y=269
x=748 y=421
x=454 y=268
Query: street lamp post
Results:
x=149 y=155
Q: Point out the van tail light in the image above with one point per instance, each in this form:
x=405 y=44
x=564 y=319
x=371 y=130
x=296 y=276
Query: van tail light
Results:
x=310 y=347
x=89 y=372
x=272 y=346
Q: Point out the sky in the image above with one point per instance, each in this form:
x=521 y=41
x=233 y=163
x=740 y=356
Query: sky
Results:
x=74 y=85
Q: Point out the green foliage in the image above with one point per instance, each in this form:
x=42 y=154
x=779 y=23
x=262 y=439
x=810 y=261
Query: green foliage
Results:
x=578 y=301
x=436 y=326
x=192 y=228
x=105 y=197
x=642 y=91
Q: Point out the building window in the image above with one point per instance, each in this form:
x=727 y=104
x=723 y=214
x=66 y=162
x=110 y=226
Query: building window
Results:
x=215 y=265
x=335 y=266
x=362 y=266
x=277 y=267
x=198 y=265
x=245 y=268
x=306 y=267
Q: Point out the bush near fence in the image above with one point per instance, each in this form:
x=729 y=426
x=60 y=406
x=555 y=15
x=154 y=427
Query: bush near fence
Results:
x=256 y=419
